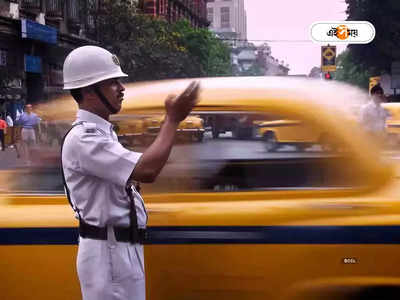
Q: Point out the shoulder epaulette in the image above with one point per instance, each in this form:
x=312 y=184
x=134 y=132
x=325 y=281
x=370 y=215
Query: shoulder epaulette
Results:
x=89 y=127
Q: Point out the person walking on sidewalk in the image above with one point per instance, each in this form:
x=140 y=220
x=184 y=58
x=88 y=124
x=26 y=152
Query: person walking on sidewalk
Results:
x=29 y=121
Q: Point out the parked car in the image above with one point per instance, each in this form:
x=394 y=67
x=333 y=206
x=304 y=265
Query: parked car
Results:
x=393 y=122
x=228 y=219
x=295 y=133
x=130 y=130
x=190 y=129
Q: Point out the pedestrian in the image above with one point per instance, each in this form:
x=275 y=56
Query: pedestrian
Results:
x=29 y=121
x=100 y=175
x=374 y=116
x=3 y=131
x=10 y=124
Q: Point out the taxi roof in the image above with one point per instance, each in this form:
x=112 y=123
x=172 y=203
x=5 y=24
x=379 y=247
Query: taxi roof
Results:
x=228 y=93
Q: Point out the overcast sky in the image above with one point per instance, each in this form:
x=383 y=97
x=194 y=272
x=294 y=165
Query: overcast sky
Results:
x=291 y=20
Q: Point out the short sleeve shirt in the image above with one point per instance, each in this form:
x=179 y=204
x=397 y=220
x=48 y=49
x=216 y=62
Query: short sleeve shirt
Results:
x=373 y=117
x=29 y=120
x=97 y=168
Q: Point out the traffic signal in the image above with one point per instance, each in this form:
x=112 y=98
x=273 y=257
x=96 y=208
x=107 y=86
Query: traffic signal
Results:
x=328 y=76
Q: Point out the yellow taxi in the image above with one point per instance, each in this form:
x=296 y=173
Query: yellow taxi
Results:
x=130 y=130
x=393 y=122
x=291 y=132
x=190 y=129
x=228 y=219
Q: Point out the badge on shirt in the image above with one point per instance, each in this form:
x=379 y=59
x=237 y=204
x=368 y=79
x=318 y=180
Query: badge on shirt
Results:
x=89 y=127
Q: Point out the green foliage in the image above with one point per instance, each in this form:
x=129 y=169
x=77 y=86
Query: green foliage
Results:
x=150 y=48
x=207 y=54
x=384 y=15
x=351 y=72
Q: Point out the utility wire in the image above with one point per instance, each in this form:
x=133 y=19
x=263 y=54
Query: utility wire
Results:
x=268 y=41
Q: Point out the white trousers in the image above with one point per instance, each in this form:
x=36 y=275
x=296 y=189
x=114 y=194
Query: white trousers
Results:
x=28 y=135
x=111 y=270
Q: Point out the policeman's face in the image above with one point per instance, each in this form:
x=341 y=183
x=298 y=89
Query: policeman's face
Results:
x=113 y=90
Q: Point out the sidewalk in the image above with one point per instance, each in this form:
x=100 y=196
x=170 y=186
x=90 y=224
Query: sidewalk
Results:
x=9 y=160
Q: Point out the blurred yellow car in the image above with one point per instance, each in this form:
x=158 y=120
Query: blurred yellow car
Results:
x=130 y=130
x=228 y=219
x=393 y=122
x=190 y=129
x=293 y=132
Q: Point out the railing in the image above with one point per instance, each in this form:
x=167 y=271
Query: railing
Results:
x=30 y=4
x=54 y=8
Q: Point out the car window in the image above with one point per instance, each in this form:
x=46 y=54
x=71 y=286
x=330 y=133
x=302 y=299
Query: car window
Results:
x=215 y=151
x=250 y=151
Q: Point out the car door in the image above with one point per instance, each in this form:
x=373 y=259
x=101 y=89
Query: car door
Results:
x=230 y=220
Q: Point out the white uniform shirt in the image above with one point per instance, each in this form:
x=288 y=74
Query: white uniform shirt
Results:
x=373 y=117
x=97 y=168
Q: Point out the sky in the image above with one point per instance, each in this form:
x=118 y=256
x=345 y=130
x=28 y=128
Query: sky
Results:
x=291 y=20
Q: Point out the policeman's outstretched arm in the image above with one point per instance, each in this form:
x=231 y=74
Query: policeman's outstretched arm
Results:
x=156 y=155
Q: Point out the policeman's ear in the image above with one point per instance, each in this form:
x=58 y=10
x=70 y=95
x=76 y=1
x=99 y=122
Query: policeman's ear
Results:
x=88 y=93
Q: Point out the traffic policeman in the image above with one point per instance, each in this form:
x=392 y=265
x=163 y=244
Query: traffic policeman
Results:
x=99 y=175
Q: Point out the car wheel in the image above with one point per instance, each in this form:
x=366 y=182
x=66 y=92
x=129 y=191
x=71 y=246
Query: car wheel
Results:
x=270 y=141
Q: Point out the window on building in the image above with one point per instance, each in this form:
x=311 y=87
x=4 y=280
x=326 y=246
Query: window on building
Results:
x=90 y=20
x=31 y=4
x=225 y=17
x=54 y=8
x=210 y=15
x=73 y=10
x=3 y=57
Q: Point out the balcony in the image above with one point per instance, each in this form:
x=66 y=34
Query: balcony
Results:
x=55 y=8
x=31 y=4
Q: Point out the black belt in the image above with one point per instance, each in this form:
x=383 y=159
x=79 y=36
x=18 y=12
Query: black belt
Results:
x=122 y=234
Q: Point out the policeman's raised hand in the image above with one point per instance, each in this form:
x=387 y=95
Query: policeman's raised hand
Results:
x=179 y=107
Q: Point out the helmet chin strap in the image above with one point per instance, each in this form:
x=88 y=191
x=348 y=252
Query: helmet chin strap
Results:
x=104 y=99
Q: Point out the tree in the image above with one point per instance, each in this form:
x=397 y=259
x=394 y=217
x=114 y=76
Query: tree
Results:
x=150 y=48
x=378 y=55
x=210 y=54
x=350 y=71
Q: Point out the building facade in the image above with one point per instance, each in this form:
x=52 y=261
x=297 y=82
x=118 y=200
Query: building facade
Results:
x=228 y=18
x=35 y=38
x=173 y=10
x=248 y=55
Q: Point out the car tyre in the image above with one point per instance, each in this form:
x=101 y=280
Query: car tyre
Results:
x=270 y=141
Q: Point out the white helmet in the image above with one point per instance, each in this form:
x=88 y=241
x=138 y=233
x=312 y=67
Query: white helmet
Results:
x=88 y=65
